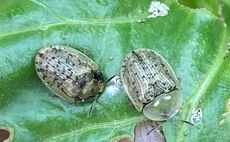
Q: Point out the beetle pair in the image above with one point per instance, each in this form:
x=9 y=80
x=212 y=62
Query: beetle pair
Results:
x=147 y=77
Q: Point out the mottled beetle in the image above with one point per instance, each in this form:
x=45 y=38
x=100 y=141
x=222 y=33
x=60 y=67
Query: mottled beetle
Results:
x=151 y=84
x=69 y=73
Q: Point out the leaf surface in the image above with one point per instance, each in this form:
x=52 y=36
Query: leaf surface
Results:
x=194 y=42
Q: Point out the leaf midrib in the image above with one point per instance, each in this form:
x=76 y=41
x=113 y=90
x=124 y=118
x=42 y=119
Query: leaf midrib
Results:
x=110 y=125
x=66 y=21
x=204 y=85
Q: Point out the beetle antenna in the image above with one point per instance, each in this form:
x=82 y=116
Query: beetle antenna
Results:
x=187 y=122
x=111 y=78
x=184 y=121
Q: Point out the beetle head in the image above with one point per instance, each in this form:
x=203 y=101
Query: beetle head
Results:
x=98 y=76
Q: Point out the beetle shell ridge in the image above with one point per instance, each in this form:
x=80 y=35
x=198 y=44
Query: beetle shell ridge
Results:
x=151 y=84
x=69 y=73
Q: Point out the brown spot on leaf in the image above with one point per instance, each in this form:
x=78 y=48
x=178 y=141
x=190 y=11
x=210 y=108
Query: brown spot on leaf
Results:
x=6 y=134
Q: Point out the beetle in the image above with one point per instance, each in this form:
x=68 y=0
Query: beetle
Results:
x=151 y=84
x=69 y=73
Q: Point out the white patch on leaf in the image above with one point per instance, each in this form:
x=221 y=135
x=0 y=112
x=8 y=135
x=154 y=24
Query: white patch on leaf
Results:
x=157 y=9
x=197 y=117
x=114 y=85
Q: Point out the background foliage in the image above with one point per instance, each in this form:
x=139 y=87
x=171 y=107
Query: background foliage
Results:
x=193 y=40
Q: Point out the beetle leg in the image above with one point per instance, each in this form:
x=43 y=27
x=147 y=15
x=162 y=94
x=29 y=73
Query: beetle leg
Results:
x=92 y=106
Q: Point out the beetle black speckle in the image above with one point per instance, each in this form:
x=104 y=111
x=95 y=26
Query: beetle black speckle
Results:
x=151 y=84
x=69 y=73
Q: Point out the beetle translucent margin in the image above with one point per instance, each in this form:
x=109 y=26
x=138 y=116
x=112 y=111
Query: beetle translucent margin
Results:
x=151 y=84
x=69 y=73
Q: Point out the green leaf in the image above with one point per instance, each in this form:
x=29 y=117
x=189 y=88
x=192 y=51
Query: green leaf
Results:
x=226 y=11
x=194 y=42
x=210 y=5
